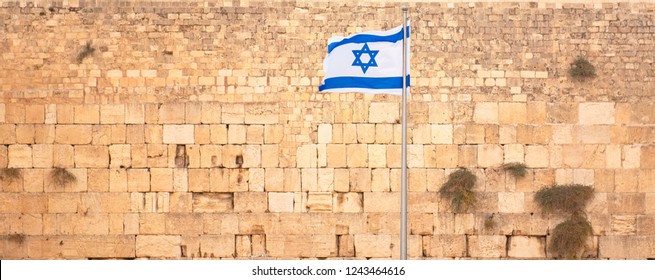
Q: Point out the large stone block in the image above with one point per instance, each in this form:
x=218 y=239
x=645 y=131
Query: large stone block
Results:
x=380 y=112
x=88 y=156
x=19 y=156
x=512 y=113
x=293 y=246
x=445 y=245
x=178 y=134
x=7 y=134
x=381 y=202
x=87 y=114
x=158 y=246
x=319 y=202
x=73 y=134
x=527 y=247
x=250 y=202
x=373 y=245
x=262 y=113
x=212 y=202
x=487 y=246
x=596 y=113
x=357 y=155
x=486 y=112
x=348 y=203
x=280 y=202
x=490 y=155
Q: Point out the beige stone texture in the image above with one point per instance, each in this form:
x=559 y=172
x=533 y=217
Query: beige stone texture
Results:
x=487 y=246
x=73 y=134
x=596 y=113
x=373 y=245
x=158 y=246
x=19 y=156
x=527 y=247
x=88 y=156
x=178 y=134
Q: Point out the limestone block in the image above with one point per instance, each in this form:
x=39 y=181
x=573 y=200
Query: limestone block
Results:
x=626 y=203
x=161 y=179
x=81 y=247
x=292 y=180
x=307 y=156
x=273 y=134
x=486 y=112
x=626 y=180
x=625 y=247
x=19 y=156
x=153 y=134
x=210 y=113
x=325 y=179
x=64 y=114
x=217 y=246
x=631 y=156
x=623 y=224
x=646 y=181
x=348 y=203
x=120 y=156
x=25 y=134
x=135 y=134
x=2 y=113
x=596 y=113
x=377 y=156
x=446 y=156
x=270 y=155
x=596 y=134
x=252 y=156
x=280 y=202
x=562 y=113
x=373 y=245
x=510 y=202
x=178 y=134
x=73 y=134
x=527 y=247
x=262 y=113
x=512 y=113
x=218 y=134
x=490 y=155
x=381 y=202
x=445 y=245
x=134 y=113
x=250 y=202
x=117 y=180
x=236 y=134
x=507 y=134
x=88 y=156
x=442 y=134
x=537 y=156
x=35 y=113
x=357 y=155
x=360 y=180
x=294 y=246
x=647 y=157
x=319 y=202
x=254 y=134
x=158 y=246
x=63 y=202
x=336 y=155
x=112 y=114
x=212 y=202
x=474 y=134
x=365 y=133
x=139 y=155
x=7 y=134
x=487 y=246
x=346 y=245
x=273 y=179
x=324 y=133
x=514 y=153
x=172 y=113
x=152 y=223
x=138 y=180
x=86 y=114
x=383 y=112
x=233 y=113
x=309 y=177
x=573 y=156
x=118 y=134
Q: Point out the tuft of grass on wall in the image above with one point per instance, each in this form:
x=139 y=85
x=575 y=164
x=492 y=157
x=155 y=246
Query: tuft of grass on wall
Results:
x=569 y=238
x=517 y=169
x=10 y=175
x=568 y=199
x=86 y=51
x=61 y=177
x=458 y=190
x=582 y=68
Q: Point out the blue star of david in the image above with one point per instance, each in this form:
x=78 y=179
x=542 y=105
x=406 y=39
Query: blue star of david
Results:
x=371 y=54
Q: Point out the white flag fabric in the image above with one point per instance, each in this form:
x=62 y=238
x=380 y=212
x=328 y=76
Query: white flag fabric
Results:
x=367 y=62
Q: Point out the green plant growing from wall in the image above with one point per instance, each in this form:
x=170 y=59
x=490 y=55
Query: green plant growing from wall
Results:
x=517 y=169
x=582 y=68
x=86 y=51
x=10 y=175
x=458 y=190
x=569 y=237
x=61 y=177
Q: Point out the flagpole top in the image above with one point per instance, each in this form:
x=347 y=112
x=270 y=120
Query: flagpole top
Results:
x=404 y=8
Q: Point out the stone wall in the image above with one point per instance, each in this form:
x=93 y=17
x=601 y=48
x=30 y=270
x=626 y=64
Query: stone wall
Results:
x=195 y=129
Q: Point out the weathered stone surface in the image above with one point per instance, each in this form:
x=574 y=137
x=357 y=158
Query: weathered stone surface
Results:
x=487 y=246
x=292 y=246
x=373 y=245
x=528 y=247
x=158 y=246
x=178 y=134
x=212 y=202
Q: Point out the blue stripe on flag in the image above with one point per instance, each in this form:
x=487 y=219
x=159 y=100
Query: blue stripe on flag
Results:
x=368 y=38
x=363 y=82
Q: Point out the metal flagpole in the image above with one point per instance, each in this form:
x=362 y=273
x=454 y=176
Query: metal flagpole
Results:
x=403 y=172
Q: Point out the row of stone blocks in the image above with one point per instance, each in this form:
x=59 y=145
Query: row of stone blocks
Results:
x=503 y=113
x=323 y=156
x=326 y=180
x=358 y=246
x=87 y=221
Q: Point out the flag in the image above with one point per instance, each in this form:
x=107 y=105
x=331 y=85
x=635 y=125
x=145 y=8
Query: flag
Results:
x=367 y=62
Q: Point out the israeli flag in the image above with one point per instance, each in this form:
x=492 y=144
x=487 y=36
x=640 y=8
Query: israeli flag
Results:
x=368 y=62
